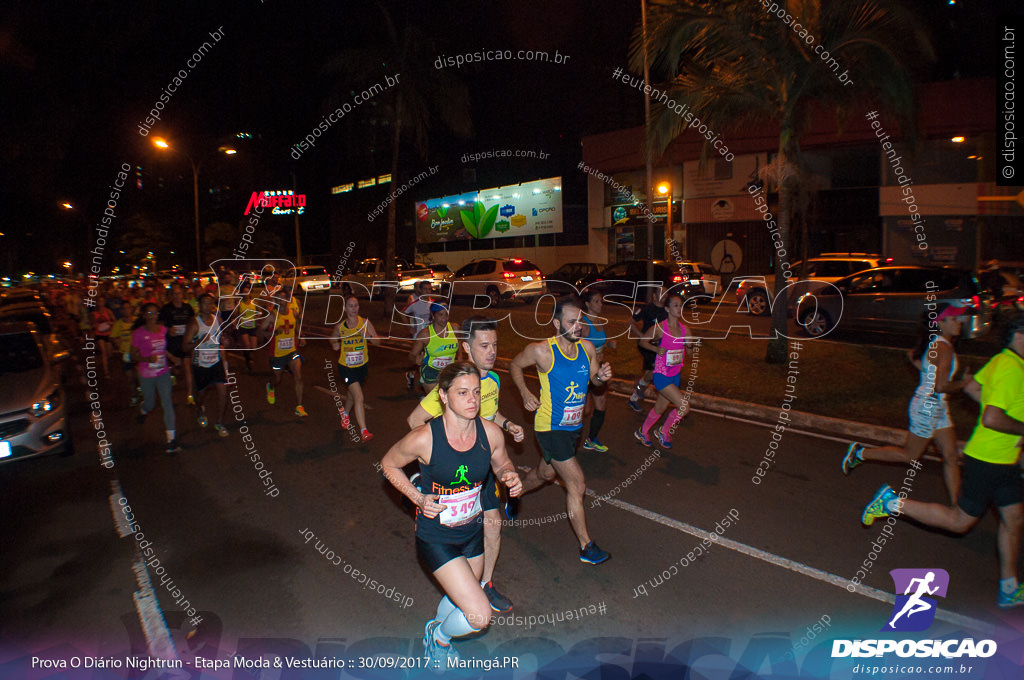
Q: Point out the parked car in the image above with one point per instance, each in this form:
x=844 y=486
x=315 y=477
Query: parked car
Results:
x=369 y=271
x=826 y=268
x=34 y=312
x=1006 y=287
x=891 y=299
x=307 y=279
x=20 y=295
x=623 y=278
x=32 y=403
x=510 y=278
x=571 y=277
x=712 y=281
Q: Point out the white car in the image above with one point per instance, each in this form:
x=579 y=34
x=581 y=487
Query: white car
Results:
x=509 y=278
x=308 y=278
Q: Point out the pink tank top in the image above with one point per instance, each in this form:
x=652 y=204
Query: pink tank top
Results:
x=671 y=362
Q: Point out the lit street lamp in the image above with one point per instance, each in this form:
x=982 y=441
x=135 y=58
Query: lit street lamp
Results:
x=665 y=189
x=161 y=143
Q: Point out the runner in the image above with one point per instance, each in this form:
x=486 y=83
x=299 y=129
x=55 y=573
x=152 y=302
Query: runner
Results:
x=935 y=359
x=350 y=338
x=437 y=345
x=565 y=365
x=202 y=341
x=284 y=353
x=102 y=322
x=669 y=345
x=649 y=315
x=121 y=335
x=457 y=452
x=226 y=288
x=175 y=316
x=247 y=316
x=593 y=303
x=991 y=475
x=419 y=310
x=481 y=346
x=149 y=350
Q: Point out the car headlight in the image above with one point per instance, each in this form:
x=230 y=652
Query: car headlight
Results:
x=44 y=406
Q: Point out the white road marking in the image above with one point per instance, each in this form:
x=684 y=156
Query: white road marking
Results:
x=786 y=563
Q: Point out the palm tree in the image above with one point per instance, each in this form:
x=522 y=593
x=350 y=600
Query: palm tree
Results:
x=730 y=62
x=422 y=95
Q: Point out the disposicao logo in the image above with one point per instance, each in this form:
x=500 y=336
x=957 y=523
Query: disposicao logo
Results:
x=914 y=610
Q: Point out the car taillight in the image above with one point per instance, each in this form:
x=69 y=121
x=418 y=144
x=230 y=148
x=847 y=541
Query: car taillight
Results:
x=888 y=260
x=677 y=278
x=517 y=260
x=509 y=275
x=972 y=302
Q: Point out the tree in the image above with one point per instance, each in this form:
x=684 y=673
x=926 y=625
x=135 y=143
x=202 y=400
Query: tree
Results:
x=728 y=62
x=422 y=95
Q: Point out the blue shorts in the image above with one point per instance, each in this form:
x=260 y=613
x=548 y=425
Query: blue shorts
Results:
x=662 y=381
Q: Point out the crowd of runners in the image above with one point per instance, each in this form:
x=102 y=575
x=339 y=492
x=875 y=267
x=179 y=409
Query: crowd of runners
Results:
x=452 y=466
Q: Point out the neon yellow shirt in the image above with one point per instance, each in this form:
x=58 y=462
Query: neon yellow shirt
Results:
x=353 y=344
x=1002 y=385
x=489 y=386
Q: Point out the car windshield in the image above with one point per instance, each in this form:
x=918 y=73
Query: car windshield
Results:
x=19 y=353
x=38 y=317
x=519 y=266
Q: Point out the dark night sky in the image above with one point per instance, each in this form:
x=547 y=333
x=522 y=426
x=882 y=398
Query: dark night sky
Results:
x=78 y=77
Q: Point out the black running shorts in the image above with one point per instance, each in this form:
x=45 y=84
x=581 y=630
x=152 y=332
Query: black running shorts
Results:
x=436 y=555
x=559 y=445
x=984 y=483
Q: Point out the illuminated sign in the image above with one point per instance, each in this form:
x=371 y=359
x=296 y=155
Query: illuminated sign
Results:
x=283 y=202
x=363 y=183
x=384 y=179
x=343 y=188
x=515 y=210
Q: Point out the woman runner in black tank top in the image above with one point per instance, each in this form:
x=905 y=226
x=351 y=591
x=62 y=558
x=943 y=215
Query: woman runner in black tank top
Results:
x=449 y=517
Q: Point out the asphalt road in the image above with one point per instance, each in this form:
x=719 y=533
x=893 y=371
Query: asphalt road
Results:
x=240 y=557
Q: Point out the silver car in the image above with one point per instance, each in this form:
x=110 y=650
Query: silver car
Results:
x=891 y=300
x=32 y=402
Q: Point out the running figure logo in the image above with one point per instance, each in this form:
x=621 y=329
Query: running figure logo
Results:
x=914 y=610
x=460 y=474
x=573 y=394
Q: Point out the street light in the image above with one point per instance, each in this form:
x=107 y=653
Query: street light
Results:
x=161 y=143
x=665 y=189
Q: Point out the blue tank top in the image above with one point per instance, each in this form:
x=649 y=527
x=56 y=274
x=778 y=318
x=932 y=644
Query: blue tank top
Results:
x=597 y=334
x=458 y=478
x=563 y=390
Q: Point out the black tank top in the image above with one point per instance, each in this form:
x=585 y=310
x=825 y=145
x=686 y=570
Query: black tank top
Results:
x=458 y=478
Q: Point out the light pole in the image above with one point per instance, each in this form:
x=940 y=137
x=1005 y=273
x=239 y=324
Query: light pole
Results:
x=647 y=131
x=161 y=143
x=665 y=189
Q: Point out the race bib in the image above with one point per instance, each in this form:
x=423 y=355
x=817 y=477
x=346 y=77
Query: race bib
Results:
x=441 y=362
x=103 y=327
x=161 y=361
x=572 y=415
x=460 y=508
x=285 y=344
x=248 y=324
x=673 y=357
x=179 y=329
x=353 y=359
x=209 y=356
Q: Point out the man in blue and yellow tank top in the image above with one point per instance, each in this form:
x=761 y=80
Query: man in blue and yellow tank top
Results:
x=565 y=366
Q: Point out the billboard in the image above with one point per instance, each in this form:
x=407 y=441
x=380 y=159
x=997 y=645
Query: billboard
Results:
x=522 y=209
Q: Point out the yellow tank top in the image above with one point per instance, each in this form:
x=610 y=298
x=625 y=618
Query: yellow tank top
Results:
x=440 y=351
x=353 y=344
x=286 y=331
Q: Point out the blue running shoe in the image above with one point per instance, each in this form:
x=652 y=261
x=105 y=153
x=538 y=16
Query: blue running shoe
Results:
x=665 y=442
x=437 y=654
x=593 y=555
x=1014 y=599
x=634 y=402
x=852 y=458
x=879 y=505
x=642 y=438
